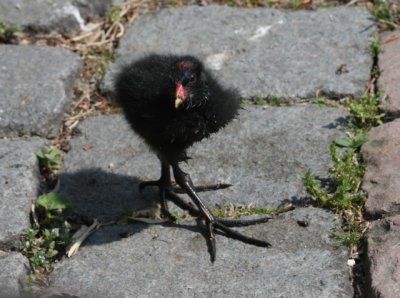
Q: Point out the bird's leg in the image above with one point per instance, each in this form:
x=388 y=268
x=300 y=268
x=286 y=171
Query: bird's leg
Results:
x=164 y=185
x=197 y=188
x=184 y=181
x=212 y=223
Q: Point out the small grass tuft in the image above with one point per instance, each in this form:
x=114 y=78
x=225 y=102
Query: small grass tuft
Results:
x=375 y=45
x=345 y=175
x=354 y=142
x=366 y=111
x=49 y=160
x=259 y=100
x=53 y=221
x=349 y=235
x=114 y=15
x=387 y=13
x=50 y=233
x=343 y=194
x=269 y=101
x=100 y=58
x=7 y=31
x=324 y=102
x=275 y=101
x=239 y=210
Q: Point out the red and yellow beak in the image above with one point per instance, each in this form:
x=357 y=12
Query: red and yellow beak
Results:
x=180 y=94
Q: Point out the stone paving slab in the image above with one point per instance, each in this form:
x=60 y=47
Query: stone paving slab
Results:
x=382 y=179
x=383 y=257
x=46 y=15
x=172 y=261
x=14 y=268
x=389 y=79
x=264 y=155
x=35 y=89
x=19 y=180
x=267 y=52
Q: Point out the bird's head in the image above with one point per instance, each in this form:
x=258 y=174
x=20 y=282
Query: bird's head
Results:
x=190 y=84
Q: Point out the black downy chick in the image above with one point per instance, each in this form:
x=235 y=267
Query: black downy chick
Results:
x=173 y=102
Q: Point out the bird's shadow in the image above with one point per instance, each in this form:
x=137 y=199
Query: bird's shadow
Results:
x=97 y=194
x=103 y=195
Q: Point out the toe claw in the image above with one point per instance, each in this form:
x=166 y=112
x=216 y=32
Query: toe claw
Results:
x=213 y=247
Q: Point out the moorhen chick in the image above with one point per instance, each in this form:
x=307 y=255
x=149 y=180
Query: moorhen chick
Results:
x=172 y=102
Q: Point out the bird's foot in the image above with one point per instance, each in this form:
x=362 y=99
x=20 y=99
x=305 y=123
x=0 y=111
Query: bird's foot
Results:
x=214 y=223
x=169 y=190
x=213 y=226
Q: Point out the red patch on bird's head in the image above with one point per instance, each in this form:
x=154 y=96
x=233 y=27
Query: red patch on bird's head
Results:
x=180 y=91
x=184 y=64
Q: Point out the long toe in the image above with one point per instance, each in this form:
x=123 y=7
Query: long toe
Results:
x=230 y=233
x=203 y=188
x=243 y=222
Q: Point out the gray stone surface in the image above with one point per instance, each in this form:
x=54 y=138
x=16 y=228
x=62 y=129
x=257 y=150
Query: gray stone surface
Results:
x=19 y=181
x=35 y=89
x=264 y=155
x=14 y=267
x=389 y=79
x=46 y=15
x=382 y=179
x=172 y=261
x=261 y=51
x=383 y=253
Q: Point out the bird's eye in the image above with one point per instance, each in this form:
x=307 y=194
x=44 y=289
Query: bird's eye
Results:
x=192 y=79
